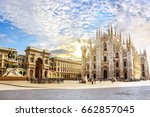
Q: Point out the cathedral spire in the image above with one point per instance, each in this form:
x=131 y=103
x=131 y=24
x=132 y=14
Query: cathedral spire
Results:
x=120 y=35
x=97 y=34
x=140 y=52
x=111 y=31
x=90 y=43
x=130 y=43
x=120 y=38
x=123 y=42
x=115 y=32
x=127 y=43
x=126 y=39
x=129 y=39
x=108 y=30
x=145 y=52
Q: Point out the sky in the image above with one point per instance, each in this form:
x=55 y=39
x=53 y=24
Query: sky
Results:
x=63 y=26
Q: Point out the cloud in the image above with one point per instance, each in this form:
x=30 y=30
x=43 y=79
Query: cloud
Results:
x=50 y=20
x=70 y=49
x=59 y=51
x=5 y=39
x=64 y=24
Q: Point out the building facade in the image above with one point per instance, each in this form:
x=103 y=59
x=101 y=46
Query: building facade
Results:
x=8 y=58
x=37 y=63
x=112 y=56
x=65 y=68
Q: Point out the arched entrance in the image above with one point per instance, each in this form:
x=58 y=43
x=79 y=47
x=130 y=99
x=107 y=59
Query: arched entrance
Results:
x=31 y=73
x=125 y=75
x=117 y=75
x=38 y=68
x=88 y=76
x=94 y=76
x=45 y=74
x=1 y=73
x=105 y=74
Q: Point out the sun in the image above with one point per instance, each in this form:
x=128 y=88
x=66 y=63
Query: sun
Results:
x=78 y=52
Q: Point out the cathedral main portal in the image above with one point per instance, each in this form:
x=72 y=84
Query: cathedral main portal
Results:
x=125 y=75
x=117 y=75
x=105 y=74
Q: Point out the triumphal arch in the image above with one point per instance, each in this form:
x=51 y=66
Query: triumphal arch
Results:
x=37 y=62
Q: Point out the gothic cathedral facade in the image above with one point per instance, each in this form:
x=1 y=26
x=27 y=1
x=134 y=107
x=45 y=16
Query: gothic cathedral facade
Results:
x=111 y=56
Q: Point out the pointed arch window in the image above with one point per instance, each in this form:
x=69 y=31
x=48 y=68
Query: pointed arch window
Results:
x=94 y=66
x=125 y=63
x=94 y=58
x=105 y=59
x=117 y=55
x=87 y=66
x=117 y=64
x=143 y=67
x=105 y=46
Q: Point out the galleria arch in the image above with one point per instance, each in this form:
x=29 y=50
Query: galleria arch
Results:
x=37 y=62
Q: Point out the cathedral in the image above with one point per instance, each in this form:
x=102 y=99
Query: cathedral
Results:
x=112 y=56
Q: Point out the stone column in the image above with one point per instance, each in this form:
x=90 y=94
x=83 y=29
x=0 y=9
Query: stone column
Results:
x=121 y=63
x=130 y=65
x=43 y=71
x=147 y=70
x=28 y=72
x=34 y=72
x=91 y=64
x=83 y=70
x=28 y=62
x=111 y=68
x=2 y=61
x=111 y=59
x=98 y=55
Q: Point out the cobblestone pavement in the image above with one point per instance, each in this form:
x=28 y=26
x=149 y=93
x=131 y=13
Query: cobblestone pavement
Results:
x=100 y=91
